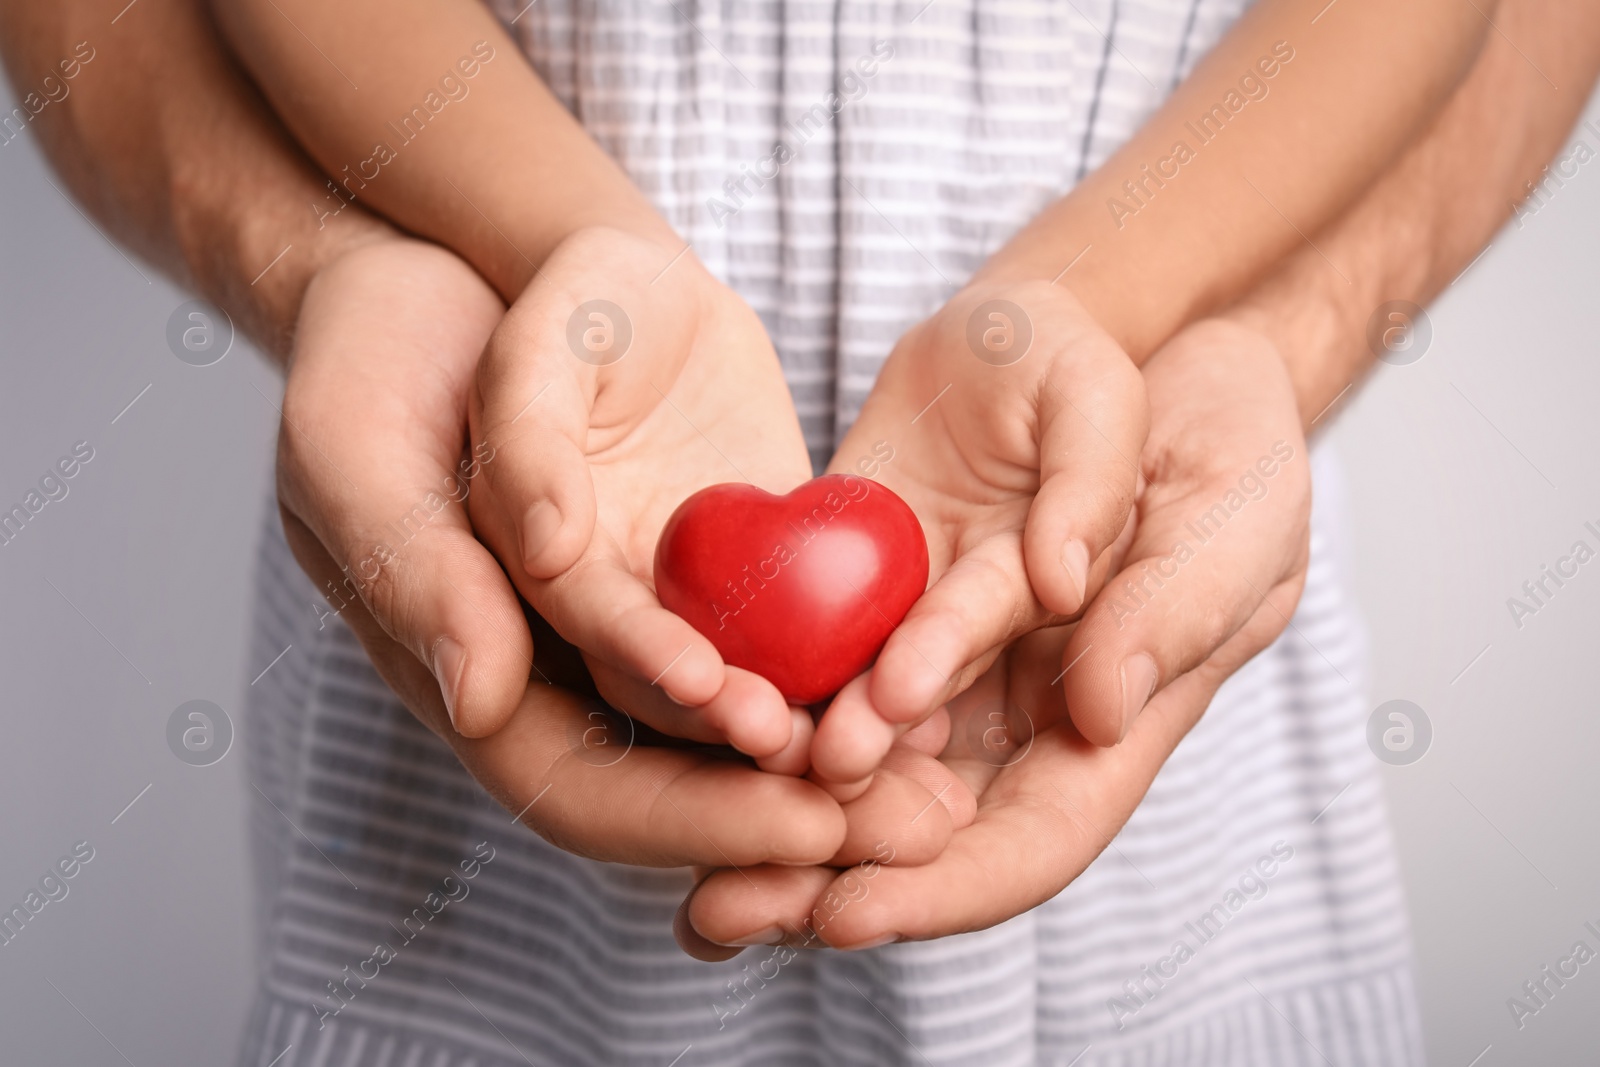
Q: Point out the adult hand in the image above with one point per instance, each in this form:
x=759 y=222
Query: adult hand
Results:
x=373 y=459
x=623 y=380
x=1016 y=425
x=1034 y=810
x=373 y=469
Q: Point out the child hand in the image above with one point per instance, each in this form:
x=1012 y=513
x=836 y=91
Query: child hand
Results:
x=1016 y=425
x=375 y=426
x=624 y=379
x=1034 y=795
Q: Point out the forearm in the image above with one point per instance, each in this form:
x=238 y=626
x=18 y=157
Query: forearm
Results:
x=1427 y=219
x=1277 y=130
x=451 y=133
x=167 y=146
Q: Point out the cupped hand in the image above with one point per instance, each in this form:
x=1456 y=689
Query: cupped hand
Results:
x=1223 y=527
x=374 y=467
x=1014 y=426
x=624 y=379
x=373 y=463
x=1034 y=798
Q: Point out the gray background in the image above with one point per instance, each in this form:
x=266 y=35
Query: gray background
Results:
x=1466 y=472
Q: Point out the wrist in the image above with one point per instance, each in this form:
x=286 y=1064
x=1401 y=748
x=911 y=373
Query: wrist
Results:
x=240 y=206
x=1129 y=281
x=1316 y=328
x=1051 y=312
x=254 y=256
x=512 y=268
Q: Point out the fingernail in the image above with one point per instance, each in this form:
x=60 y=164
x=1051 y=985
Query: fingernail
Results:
x=539 y=526
x=1138 y=682
x=1075 y=558
x=877 y=942
x=770 y=936
x=449 y=665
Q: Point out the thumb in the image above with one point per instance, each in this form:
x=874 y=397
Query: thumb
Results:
x=1092 y=428
x=438 y=619
x=538 y=509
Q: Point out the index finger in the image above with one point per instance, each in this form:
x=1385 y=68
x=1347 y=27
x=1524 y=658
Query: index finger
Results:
x=644 y=805
x=655 y=807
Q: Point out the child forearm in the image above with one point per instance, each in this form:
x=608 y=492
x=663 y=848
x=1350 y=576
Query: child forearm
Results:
x=1276 y=131
x=426 y=112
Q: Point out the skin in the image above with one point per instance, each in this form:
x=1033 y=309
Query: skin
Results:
x=1220 y=398
x=1430 y=216
x=587 y=473
x=177 y=157
x=1362 y=80
x=1407 y=238
x=602 y=454
x=1197 y=243
x=402 y=324
x=1004 y=464
x=132 y=192
x=1365 y=81
x=175 y=154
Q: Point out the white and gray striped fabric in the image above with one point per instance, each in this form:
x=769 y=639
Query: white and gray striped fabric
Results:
x=975 y=114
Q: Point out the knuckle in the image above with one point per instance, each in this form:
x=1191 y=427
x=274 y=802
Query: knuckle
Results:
x=388 y=593
x=1215 y=623
x=1103 y=500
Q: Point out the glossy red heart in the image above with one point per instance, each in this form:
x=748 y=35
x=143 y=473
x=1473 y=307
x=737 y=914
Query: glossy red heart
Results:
x=802 y=589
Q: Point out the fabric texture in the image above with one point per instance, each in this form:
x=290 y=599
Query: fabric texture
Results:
x=892 y=191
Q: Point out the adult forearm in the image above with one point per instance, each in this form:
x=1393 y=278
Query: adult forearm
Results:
x=164 y=143
x=1426 y=220
x=1277 y=131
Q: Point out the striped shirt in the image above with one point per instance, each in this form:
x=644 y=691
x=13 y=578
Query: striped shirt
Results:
x=844 y=166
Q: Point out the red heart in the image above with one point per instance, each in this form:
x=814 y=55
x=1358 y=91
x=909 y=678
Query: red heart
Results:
x=802 y=589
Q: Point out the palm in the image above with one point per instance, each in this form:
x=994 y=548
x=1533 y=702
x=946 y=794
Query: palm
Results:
x=624 y=380
x=399 y=326
x=720 y=413
x=1032 y=800
x=1032 y=804
x=1006 y=457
